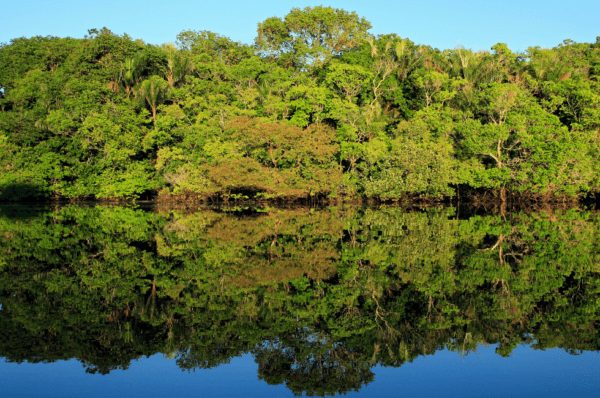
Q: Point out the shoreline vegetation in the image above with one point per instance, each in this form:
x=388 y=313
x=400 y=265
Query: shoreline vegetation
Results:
x=315 y=110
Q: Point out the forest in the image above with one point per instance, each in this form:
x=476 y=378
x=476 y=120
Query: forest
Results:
x=318 y=298
x=317 y=108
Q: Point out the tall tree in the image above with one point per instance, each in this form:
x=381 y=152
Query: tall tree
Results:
x=153 y=92
x=308 y=38
x=178 y=65
x=130 y=74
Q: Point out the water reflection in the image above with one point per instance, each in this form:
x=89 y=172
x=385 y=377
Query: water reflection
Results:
x=318 y=297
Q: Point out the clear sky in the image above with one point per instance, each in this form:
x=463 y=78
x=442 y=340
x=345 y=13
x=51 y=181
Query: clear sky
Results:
x=476 y=24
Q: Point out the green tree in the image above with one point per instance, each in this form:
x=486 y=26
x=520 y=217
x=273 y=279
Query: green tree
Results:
x=310 y=37
x=153 y=92
x=178 y=65
x=530 y=151
x=130 y=74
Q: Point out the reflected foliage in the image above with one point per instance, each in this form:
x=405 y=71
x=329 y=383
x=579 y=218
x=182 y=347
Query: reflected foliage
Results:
x=317 y=296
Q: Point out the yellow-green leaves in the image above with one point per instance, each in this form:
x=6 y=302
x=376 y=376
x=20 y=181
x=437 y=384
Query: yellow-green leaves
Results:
x=348 y=80
x=310 y=37
x=153 y=92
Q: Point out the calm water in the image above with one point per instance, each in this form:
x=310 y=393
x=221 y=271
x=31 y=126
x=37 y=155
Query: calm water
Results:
x=120 y=301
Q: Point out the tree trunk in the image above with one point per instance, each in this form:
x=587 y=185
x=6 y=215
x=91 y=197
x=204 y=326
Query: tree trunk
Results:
x=503 y=194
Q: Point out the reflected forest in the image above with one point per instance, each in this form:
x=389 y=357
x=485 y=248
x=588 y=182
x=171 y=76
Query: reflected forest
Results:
x=318 y=297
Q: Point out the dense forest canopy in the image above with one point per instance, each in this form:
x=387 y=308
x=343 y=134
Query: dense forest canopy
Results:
x=315 y=107
x=318 y=297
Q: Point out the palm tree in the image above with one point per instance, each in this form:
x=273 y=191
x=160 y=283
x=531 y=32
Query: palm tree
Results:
x=178 y=65
x=153 y=92
x=475 y=68
x=409 y=57
x=130 y=74
x=547 y=64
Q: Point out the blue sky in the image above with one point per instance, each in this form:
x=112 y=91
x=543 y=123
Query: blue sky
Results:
x=476 y=24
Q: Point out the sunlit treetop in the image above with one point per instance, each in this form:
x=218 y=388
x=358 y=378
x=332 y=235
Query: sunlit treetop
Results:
x=309 y=37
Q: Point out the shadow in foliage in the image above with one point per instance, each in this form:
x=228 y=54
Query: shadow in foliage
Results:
x=22 y=191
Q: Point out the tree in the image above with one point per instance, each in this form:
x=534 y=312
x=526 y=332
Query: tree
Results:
x=524 y=148
x=130 y=74
x=178 y=65
x=408 y=56
x=218 y=48
x=349 y=80
x=153 y=92
x=310 y=37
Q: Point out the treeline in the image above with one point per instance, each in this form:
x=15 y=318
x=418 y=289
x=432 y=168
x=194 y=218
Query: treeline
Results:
x=316 y=107
x=317 y=297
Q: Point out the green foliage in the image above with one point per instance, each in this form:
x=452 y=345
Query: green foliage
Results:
x=329 y=111
x=310 y=37
x=407 y=167
x=153 y=92
x=531 y=150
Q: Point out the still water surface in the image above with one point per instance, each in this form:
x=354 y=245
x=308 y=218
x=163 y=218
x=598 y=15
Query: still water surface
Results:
x=121 y=301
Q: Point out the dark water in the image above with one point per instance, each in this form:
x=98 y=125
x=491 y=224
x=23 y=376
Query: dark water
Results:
x=121 y=301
